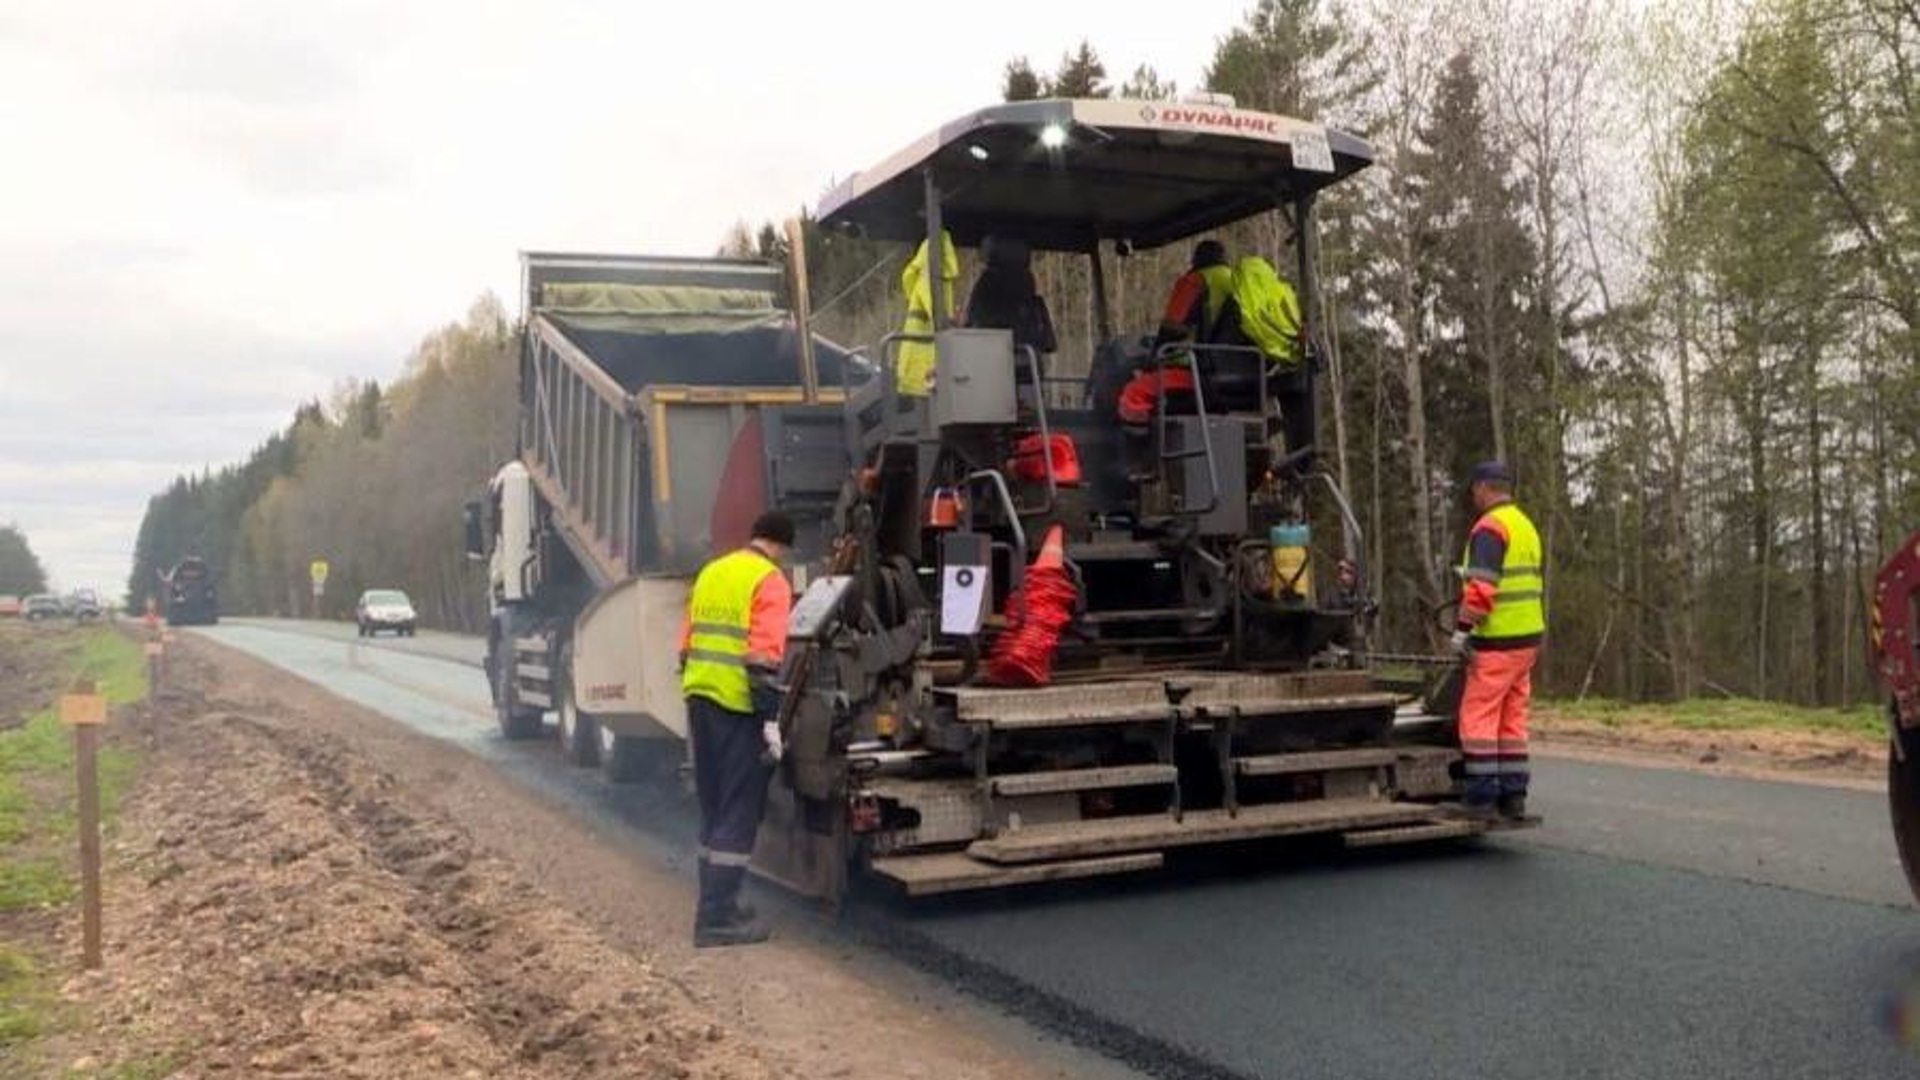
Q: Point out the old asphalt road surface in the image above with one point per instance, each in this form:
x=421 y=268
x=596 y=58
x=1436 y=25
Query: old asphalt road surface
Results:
x=1663 y=923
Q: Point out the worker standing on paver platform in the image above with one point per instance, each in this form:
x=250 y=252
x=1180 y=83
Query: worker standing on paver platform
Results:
x=914 y=359
x=731 y=644
x=1501 y=624
x=1193 y=308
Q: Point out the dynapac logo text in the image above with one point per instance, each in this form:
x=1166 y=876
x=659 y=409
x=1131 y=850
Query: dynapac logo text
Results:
x=1220 y=118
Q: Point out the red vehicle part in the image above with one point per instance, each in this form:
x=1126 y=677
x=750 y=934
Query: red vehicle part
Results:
x=1896 y=630
x=1895 y=634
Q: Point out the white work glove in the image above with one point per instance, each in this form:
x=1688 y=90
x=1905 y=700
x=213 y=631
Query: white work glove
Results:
x=770 y=733
x=1459 y=642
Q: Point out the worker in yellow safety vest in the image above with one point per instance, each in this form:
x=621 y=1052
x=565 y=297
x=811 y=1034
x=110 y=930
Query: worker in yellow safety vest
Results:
x=1501 y=624
x=913 y=360
x=732 y=641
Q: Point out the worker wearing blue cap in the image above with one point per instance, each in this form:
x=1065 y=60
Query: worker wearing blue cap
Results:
x=1501 y=624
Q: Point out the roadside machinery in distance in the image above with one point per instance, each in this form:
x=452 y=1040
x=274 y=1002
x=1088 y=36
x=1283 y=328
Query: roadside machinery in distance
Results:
x=1895 y=638
x=189 y=594
x=1014 y=658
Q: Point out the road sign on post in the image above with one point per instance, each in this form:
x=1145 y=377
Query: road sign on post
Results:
x=85 y=710
x=317 y=573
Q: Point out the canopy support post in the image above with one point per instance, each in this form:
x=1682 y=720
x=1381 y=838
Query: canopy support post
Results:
x=803 y=310
x=936 y=254
x=1102 y=314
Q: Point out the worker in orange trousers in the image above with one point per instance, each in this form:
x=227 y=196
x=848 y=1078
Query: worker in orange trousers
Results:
x=1501 y=624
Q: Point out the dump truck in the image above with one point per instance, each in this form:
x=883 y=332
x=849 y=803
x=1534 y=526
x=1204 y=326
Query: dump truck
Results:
x=1200 y=690
x=1895 y=641
x=189 y=593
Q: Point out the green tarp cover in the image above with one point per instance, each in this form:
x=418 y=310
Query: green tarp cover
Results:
x=679 y=309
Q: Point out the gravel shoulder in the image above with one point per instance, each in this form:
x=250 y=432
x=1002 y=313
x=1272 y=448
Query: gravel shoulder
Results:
x=1840 y=759
x=300 y=888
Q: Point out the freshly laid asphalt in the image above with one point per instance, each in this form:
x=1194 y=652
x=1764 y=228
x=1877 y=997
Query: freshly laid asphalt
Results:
x=1662 y=924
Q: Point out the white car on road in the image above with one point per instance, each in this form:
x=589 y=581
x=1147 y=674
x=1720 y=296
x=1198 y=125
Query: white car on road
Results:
x=385 y=609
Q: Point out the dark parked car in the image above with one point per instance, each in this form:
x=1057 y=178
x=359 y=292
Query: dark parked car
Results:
x=43 y=606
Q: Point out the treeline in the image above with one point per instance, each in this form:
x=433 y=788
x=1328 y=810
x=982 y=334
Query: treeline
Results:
x=20 y=571
x=1664 y=259
x=372 y=481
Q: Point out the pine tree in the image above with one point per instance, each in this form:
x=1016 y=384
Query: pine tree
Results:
x=1020 y=83
x=1476 y=253
x=20 y=571
x=1081 y=75
x=1145 y=84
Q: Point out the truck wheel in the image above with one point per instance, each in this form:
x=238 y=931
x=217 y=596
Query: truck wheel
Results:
x=1903 y=799
x=579 y=733
x=516 y=721
x=625 y=759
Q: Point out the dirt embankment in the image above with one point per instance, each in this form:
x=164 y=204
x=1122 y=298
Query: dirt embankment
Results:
x=280 y=907
x=1763 y=753
x=299 y=888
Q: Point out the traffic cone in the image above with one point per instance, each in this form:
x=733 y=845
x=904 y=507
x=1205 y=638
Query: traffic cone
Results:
x=1053 y=551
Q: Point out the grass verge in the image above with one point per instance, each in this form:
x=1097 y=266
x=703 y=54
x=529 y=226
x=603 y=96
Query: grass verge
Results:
x=38 y=812
x=1722 y=714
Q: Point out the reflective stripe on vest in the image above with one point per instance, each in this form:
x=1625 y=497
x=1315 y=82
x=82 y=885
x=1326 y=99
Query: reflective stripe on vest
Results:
x=1519 y=608
x=720 y=610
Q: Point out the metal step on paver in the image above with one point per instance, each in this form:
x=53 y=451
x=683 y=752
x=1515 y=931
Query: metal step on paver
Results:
x=1412 y=834
x=955 y=871
x=1372 y=757
x=1112 y=776
x=1107 y=836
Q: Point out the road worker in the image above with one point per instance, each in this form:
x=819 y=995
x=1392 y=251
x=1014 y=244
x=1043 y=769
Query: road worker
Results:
x=913 y=360
x=732 y=640
x=1005 y=296
x=1263 y=312
x=1193 y=309
x=1501 y=623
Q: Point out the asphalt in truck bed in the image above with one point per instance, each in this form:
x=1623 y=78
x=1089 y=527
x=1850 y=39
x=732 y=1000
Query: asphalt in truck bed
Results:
x=1662 y=924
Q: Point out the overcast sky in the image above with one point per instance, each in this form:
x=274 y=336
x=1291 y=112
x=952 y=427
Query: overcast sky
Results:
x=211 y=211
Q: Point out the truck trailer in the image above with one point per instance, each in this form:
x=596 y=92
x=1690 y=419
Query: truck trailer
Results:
x=1195 y=688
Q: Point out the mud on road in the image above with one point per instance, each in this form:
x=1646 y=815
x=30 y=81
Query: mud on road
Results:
x=298 y=889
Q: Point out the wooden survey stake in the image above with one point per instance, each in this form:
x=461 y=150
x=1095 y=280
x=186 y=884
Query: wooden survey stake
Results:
x=156 y=663
x=86 y=710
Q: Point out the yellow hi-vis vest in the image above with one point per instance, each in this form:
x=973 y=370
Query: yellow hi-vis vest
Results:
x=1519 y=608
x=1269 y=310
x=913 y=360
x=720 y=611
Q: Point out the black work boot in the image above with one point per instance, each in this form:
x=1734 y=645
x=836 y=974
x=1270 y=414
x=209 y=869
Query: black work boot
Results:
x=742 y=910
x=719 y=922
x=1513 y=806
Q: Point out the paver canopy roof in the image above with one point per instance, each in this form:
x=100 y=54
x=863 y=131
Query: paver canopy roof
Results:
x=1066 y=174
